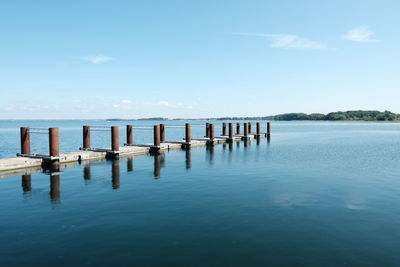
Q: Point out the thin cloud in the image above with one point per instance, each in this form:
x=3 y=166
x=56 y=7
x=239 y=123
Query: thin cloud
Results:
x=288 y=41
x=127 y=101
x=97 y=59
x=360 y=34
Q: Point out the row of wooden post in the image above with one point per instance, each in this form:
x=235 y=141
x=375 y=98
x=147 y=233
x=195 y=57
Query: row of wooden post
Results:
x=158 y=132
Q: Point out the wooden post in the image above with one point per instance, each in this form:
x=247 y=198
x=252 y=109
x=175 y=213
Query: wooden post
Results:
x=211 y=131
x=249 y=127
x=25 y=140
x=54 y=142
x=230 y=126
x=162 y=133
x=268 y=128
x=86 y=137
x=157 y=135
x=258 y=130
x=245 y=129
x=237 y=128
x=114 y=138
x=129 y=134
x=223 y=129
x=188 y=137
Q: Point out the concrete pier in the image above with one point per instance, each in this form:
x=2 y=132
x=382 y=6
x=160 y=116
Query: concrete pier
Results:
x=33 y=162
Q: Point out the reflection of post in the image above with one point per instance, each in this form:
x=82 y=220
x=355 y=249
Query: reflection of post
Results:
x=258 y=139
x=115 y=174
x=210 y=150
x=230 y=147
x=26 y=183
x=157 y=166
x=188 y=158
x=86 y=172
x=268 y=139
x=55 y=188
x=245 y=143
x=129 y=164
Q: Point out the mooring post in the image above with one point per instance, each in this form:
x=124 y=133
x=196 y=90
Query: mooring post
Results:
x=258 y=131
x=188 y=137
x=245 y=129
x=129 y=135
x=25 y=140
x=114 y=138
x=249 y=127
x=162 y=133
x=207 y=129
x=268 y=128
x=230 y=130
x=211 y=131
x=157 y=135
x=238 y=128
x=223 y=129
x=86 y=137
x=54 y=142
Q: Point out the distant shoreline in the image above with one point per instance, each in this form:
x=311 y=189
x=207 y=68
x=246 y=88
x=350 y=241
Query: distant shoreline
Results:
x=351 y=115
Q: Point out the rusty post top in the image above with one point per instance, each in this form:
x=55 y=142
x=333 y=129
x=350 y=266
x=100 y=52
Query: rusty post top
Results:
x=162 y=133
x=156 y=135
x=211 y=131
x=129 y=134
x=25 y=140
x=188 y=137
x=86 y=136
x=54 y=142
x=115 y=138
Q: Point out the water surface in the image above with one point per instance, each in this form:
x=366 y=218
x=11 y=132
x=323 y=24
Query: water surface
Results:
x=317 y=194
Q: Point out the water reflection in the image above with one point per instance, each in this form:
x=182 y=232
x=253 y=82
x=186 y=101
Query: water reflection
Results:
x=55 y=187
x=210 y=153
x=188 y=158
x=26 y=183
x=129 y=164
x=115 y=174
x=159 y=161
x=86 y=172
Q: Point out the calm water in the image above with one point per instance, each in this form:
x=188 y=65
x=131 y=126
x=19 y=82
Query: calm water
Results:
x=317 y=194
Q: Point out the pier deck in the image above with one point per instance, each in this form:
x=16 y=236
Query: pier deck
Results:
x=10 y=165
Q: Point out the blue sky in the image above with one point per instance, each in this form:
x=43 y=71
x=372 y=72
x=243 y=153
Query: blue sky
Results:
x=132 y=59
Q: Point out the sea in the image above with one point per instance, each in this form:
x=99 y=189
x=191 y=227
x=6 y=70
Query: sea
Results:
x=313 y=194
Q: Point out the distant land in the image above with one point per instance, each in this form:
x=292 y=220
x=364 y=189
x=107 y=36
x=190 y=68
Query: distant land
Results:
x=351 y=115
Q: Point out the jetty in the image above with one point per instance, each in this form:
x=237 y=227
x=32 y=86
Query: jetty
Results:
x=27 y=159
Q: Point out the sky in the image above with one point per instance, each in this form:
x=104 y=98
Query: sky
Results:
x=195 y=59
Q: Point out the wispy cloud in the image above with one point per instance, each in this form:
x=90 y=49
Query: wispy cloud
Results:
x=360 y=34
x=288 y=41
x=164 y=103
x=97 y=59
x=127 y=101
